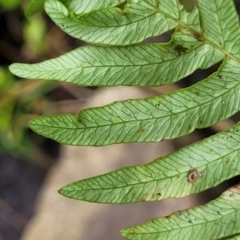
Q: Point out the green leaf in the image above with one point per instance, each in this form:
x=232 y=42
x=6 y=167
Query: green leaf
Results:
x=222 y=27
x=217 y=219
x=77 y=6
x=145 y=65
x=190 y=170
x=84 y=6
x=139 y=20
x=36 y=6
x=153 y=119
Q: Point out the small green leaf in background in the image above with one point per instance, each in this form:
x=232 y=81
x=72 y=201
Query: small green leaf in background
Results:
x=9 y=4
x=34 y=33
x=36 y=6
x=16 y=105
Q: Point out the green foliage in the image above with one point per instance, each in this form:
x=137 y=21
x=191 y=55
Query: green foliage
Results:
x=205 y=34
x=198 y=223
x=18 y=101
x=8 y=4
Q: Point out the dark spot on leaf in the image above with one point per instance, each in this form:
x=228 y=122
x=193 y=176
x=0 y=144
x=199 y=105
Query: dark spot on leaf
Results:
x=79 y=119
x=197 y=36
x=124 y=12
x=193 y=175
x=141 y=130
x=227 y=161
x=231 y=195
x=180 y=49
x=159 y=194
x=219 y=76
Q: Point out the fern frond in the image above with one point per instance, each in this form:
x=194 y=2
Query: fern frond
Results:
x=207 y=35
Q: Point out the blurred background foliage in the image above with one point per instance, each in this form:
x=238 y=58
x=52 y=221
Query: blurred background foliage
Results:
x=30 y=40
x=26 y=157
x=21 y=100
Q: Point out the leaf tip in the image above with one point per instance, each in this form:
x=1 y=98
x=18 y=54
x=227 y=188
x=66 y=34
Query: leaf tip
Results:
x=68 y=192
x=12 y=67
x=31 y=123
x=124 y=233
x=61 y=191
x=17 y=70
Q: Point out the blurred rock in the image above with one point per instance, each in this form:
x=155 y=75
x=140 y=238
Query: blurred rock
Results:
x=60 y=218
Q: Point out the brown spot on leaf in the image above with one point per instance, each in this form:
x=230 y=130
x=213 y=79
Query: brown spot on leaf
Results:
x=191 y=33
x=180 y=49
x=227 y=161
x=141 y=130
x=193 y=175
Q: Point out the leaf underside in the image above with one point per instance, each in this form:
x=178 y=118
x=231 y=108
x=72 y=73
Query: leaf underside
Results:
x=190 y=170
x=77 y=6
x=194 y=45
x=215 y=220
x=205 y=35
